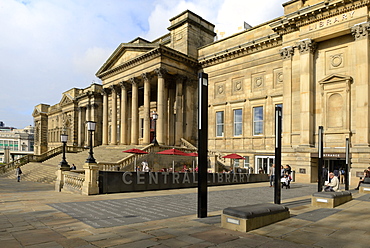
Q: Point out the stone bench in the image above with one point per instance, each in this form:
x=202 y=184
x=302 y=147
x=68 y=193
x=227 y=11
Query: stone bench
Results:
x=364 y=188
x=249 y=217
x=330 y=199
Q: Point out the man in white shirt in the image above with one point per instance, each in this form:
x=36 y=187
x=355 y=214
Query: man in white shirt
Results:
x=334 y=183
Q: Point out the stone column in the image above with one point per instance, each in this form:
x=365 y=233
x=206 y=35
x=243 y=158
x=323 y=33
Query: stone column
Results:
x=179 y=109
x=286 y=54
x=105 y=116
x=88 y=118
x=307 y=49
x=81 y=126
x=134 y=113
x=123 y=138
x=146 y=136
x=114 y=116
x=361 y=82
x=160 y=106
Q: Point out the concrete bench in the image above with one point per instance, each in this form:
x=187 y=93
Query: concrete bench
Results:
x=249 y=217
x=330 y=199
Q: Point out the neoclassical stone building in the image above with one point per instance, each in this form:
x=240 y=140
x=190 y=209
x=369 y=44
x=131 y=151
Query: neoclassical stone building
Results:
x=141 y=77
x=68 y=116
x=313 y=62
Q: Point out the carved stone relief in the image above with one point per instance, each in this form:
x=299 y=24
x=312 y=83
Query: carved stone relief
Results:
x=278 y=78
x=220 y=89
x=258 y=81
x=237 y=85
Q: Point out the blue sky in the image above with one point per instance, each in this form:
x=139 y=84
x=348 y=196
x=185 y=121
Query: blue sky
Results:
x=50 y=46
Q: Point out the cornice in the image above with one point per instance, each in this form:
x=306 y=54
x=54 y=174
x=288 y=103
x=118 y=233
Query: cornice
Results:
x=257 y=45
x=157 y=52
x=314 y=13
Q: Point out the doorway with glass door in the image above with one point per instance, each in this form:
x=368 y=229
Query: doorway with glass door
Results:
x=263 y=164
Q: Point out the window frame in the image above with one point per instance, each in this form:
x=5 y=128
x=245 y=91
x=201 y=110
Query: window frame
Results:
x=221 y=124
x=255 y=121
x=237 y=123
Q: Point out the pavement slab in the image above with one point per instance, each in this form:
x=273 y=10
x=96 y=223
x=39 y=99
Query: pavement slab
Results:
x=34 y=215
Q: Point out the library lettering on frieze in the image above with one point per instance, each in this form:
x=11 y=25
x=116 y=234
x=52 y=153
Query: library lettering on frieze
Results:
x=313 y=62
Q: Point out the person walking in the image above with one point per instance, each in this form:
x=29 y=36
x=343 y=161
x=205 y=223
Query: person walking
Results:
x=272 y=175
x=18 y=173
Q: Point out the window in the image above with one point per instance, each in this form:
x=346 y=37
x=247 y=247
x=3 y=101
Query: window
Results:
x=246 y=162
x=220 y=124
x=141 y=127
x=238 y=124
x=258 y=121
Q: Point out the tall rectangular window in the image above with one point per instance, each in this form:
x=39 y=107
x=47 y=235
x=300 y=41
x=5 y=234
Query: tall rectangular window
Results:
x=246 y=162
x=238 y=122
x=141 y=128
x=257 y=120
x=220 y=124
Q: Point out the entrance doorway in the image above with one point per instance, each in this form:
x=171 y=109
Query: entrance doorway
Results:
x=263 y=163
x=334 y=165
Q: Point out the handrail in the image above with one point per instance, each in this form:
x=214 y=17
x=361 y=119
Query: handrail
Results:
x=38 y=158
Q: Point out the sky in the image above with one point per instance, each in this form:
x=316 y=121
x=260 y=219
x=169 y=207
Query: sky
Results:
x=50 y=46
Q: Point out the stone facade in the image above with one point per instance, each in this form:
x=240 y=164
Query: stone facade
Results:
x=313 y=62
x=68 y=116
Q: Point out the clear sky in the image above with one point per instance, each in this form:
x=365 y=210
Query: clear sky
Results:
x=50 y=46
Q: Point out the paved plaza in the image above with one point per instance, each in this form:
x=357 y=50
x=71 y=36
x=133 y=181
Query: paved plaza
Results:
x=34 y=215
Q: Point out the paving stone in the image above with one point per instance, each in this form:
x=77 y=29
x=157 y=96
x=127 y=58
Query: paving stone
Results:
x=215 y=236
x=32 y=237
x=141 y=244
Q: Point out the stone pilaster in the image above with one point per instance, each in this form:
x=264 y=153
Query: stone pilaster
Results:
x=307 y=49
x=123 y=126
x=134 y=112
x=361 y=82
x=113 y=140
x=286 y=54
x=146 y=136
x=105 y=116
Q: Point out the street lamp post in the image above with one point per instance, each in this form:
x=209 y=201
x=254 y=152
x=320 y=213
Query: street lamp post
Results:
x=91 y=125
x=63 y=139
x=155 y=118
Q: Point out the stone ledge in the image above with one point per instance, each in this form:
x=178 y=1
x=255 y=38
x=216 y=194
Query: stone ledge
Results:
x=330 y=199
x=250 y=217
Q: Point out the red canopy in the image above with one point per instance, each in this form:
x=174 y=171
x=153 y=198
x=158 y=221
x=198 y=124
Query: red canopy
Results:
x=234 y=156
x=173 y=151
x=193 y=154
x=135 y=151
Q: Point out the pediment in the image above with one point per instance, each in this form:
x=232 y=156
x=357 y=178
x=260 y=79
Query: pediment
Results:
x=126 y=52
x=333 y=78
x=66 y=99
x=36 y=112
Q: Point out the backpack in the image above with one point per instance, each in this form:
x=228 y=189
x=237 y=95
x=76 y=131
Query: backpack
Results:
x=20 y=171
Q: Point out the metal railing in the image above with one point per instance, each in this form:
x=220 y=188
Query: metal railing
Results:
x=38 y=158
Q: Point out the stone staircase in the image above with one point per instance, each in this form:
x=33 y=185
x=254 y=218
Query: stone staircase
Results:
x=45 y=171
x=36 y=172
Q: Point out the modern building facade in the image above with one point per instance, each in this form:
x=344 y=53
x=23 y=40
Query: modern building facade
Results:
x=15 y=143
x=313 y=62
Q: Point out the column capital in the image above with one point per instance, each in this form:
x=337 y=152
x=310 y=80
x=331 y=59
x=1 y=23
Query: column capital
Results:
x=306 y=46
x=161 y=72
x=146 y=76
x=360 y=30
x=287 y=52
x=134 y=81
x=81 y=108
x=105 y=91
x=113 y=88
